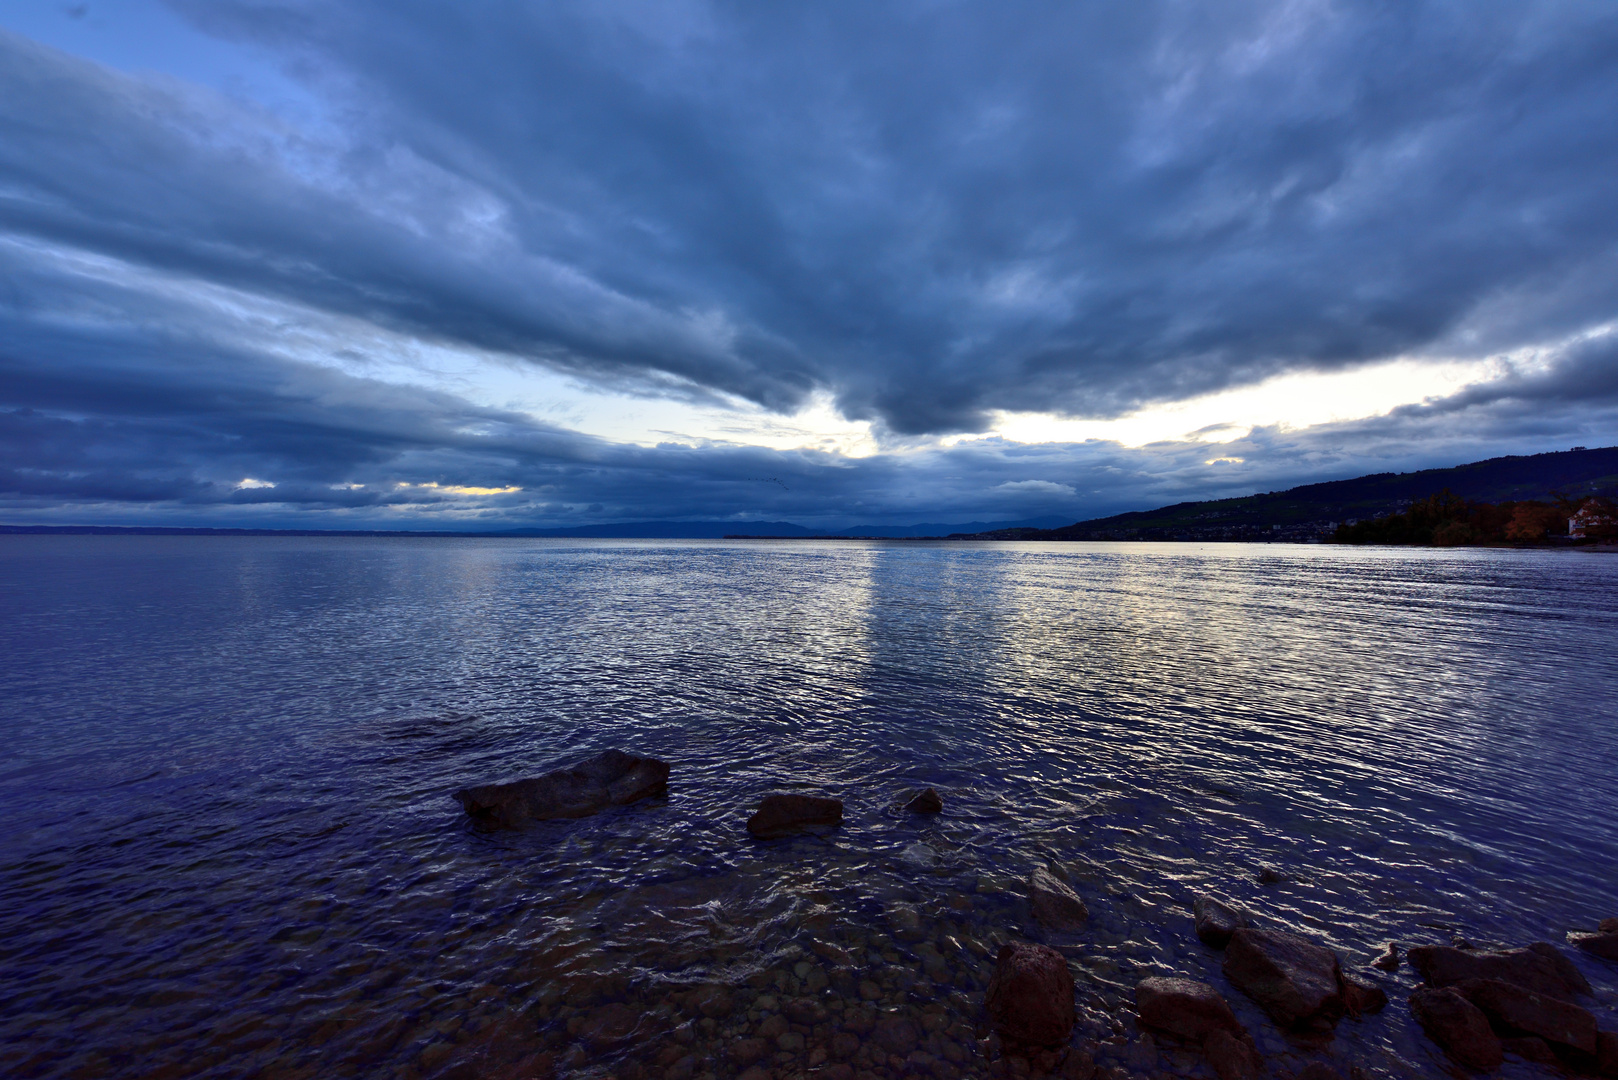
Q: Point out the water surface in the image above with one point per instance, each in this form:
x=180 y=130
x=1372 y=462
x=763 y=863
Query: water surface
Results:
x=227 y=846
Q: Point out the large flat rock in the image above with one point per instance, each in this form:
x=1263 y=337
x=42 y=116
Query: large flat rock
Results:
x=612 y=778
x=1296 y=981
x=1539 y=967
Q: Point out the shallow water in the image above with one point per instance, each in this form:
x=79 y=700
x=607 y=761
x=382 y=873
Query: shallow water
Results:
x=227 y=846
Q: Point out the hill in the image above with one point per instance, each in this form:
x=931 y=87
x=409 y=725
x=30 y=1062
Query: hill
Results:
x=1312 y=512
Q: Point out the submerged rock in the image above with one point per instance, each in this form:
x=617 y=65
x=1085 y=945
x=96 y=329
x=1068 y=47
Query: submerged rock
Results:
x=1216 y=920
x=612 y=778
x=779 y=815
x=1269 y=875
x=926 y=802
x=1297 y=982
x=1030 y=996
x=1458 y=1026
x=1536 y=1014
x=1055 y=904
x=1185 y=1008
x=1539 y=968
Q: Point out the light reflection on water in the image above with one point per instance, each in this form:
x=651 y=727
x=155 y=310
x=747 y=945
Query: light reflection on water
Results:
x=228 y=847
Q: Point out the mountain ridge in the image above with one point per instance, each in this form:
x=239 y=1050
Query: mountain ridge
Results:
x=1311 y=512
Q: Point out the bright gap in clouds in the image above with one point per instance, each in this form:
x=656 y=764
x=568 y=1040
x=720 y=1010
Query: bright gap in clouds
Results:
x=1299 y=400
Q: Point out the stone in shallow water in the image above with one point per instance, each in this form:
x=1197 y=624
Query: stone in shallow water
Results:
x=1360 y=998
x=1216 y=920
x=1389 y=960
x=926 y=802
x=1539 y=968
x=1233 y=1058
x=1055 y=905
x=612 y=778
x=1030 y=996
x=1602 y=945
x=1514 y=1007
x=781 y=815
x=1458 y=1026
x=920 y=856
x=1184 y=1007
x=1296 y=981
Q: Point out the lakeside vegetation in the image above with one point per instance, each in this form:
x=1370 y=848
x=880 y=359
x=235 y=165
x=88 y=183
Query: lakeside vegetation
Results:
x=1448 y=520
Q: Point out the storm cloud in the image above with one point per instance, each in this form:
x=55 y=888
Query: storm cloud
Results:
x=927 y=213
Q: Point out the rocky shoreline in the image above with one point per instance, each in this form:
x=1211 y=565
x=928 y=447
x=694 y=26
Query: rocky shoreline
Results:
x=822 y=1014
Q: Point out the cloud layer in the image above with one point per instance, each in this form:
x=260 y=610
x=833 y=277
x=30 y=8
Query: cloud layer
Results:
x=928 y=211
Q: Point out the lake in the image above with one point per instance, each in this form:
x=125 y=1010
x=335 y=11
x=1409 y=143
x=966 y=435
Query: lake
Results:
x=228 y=846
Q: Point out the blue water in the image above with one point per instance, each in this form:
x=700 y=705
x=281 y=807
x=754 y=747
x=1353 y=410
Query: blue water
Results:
x=227 y=846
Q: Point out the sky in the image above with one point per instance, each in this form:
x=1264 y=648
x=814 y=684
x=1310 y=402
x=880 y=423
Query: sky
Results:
x=393 y=263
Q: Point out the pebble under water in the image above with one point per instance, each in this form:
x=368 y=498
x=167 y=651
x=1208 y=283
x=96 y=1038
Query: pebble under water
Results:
x=228 y=846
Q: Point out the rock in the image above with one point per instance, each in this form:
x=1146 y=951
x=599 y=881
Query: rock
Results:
x=612 y=778
x=1216 y=921
x=1535 y=1014
x=1571 y=975
x=1030 y=995
x=1608 y=926
x=835 y=953
x=756 y=1072
x=609 y=1026
x=1078 y=1065
x=896 y=1034
x=1184 y=1007
x=1318 y=1070
x=1056 y=906
x=1530 y=1048
x=1296 y=982
x=780 y=815
x=711 y=1001
x=1360 y=998
x=1458 y=1026
x=1539 y=968
x=1389 y=960
x=1269 y=875
x=842 y=1070
x=745 y=1052
x=1233 y=1058
x=1602 y=945
x=925 y=802
x=1607 y=1052
x=845 y=1044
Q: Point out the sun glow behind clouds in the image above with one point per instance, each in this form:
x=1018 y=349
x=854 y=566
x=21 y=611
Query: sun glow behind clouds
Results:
x=1289 y=401
x=458 y=489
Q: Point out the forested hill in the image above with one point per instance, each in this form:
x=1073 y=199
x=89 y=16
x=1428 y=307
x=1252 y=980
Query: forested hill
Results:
x=1313 y=511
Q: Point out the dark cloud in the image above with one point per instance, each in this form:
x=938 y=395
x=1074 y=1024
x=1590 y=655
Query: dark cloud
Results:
x=929 y=211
